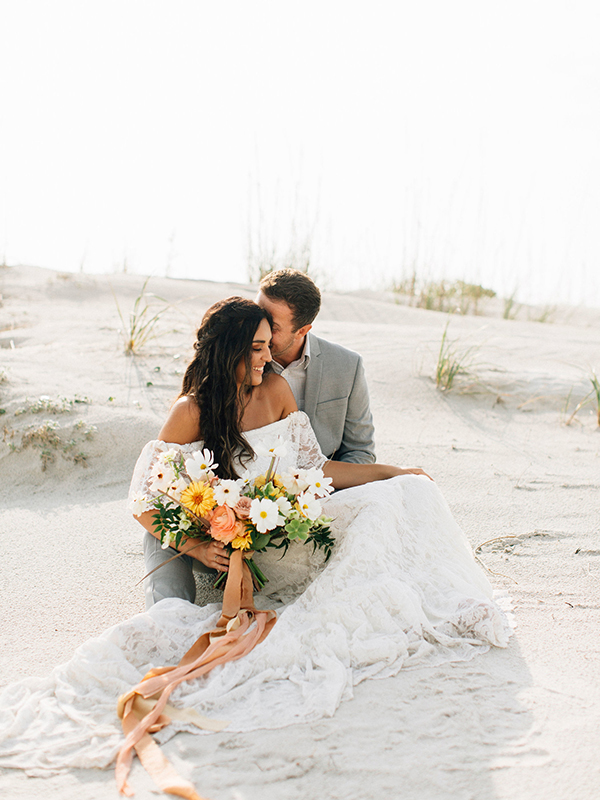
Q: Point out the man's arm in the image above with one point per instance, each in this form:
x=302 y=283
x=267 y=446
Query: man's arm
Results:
x=358 y=440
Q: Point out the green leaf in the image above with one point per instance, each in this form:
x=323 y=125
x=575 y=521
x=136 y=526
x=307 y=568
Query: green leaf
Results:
x=298 y=529
x=260 y=540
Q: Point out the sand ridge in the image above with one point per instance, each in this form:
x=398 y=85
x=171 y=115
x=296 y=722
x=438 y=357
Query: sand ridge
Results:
x=520 y=723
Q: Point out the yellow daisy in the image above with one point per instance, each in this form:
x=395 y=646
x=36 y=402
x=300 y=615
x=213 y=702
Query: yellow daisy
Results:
x=241 y=543
x=199 y=498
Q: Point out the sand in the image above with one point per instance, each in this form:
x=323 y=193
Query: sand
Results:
x=517 y=723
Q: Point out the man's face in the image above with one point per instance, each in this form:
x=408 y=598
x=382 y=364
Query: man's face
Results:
x=286 y=342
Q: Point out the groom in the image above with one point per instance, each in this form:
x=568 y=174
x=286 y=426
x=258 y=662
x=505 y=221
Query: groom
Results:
x=328 y=381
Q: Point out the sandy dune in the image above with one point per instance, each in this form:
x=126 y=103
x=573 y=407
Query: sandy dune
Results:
x=521 y=723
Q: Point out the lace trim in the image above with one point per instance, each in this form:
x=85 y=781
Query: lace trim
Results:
x=303 y=453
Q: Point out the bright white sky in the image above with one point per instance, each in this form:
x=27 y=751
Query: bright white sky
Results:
x=460 y=137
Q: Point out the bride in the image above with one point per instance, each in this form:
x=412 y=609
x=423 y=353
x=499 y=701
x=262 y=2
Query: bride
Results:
x=401 y=589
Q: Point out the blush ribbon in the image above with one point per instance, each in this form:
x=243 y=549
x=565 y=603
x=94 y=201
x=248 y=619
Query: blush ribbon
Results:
x=144 y=709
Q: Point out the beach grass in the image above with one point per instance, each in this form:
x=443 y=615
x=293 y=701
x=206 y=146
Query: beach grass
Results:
x=140 y=326
x=596 y=394
x=592 y=396
x=453 y=361
x=457 y=296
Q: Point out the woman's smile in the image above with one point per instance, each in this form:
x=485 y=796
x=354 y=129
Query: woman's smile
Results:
x=260 y=355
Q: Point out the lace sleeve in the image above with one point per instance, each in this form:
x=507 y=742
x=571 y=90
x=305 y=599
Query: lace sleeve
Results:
x=141 y=497
x=309 y=451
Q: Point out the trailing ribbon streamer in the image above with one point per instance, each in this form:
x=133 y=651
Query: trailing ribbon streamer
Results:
x=144 y=709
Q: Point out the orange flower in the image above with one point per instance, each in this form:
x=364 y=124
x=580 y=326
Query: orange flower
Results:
x=224 y=525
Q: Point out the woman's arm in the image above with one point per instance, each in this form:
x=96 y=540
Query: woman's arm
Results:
x=182 y=427
x=345 y=474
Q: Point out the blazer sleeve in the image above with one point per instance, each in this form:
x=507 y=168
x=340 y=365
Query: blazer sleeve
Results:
x=358 y=440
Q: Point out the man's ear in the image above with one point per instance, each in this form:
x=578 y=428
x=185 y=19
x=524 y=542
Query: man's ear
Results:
x=301 y=332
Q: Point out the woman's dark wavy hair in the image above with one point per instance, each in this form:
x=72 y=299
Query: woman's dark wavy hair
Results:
x=224 y=337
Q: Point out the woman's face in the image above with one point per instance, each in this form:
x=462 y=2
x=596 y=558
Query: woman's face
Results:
x=260 y=354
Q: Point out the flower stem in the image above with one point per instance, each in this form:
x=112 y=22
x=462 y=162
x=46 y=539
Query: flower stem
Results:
x=271 y=469
x=259 y=579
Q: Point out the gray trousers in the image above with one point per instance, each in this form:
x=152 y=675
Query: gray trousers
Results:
x=175 y=579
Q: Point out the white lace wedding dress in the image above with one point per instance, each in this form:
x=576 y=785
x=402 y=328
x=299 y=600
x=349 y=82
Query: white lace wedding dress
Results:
x=401 y=589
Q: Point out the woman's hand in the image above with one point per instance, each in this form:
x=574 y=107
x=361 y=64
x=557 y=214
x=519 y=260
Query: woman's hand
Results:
x=344 y=474
x=212 y=554
x=414 y=471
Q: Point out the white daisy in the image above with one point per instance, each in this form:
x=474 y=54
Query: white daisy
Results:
x=161 y=477
x=227 y=493
x=309 y=505
x=198 y=465
x=264 y=514
x=278 y=450
x=295 y=481
x=138 y=504
x=318 y=484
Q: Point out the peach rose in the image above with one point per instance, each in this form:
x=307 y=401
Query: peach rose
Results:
x=242 y=507
x=225 y=526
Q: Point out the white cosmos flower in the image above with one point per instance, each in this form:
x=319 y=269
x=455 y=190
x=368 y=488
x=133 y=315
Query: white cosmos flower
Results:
x=176 y=488
x=309 y=505
x=295 y=481
x=285 y=508
x=227 y=493
x=167 y=457
x=244 y=478
x=264 y=514
x=278 y=450
x=198 y=464
x=161 y=477
x=318 y=484
x=138 y=504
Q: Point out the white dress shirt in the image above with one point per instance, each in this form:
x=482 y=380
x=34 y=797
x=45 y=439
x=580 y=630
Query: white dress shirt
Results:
x=295 y=373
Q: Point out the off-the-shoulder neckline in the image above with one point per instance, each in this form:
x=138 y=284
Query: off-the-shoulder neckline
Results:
x=277 y=421
x=264 y=427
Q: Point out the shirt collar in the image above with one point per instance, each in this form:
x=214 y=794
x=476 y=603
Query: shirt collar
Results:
x=302 y=361
x=305 y=357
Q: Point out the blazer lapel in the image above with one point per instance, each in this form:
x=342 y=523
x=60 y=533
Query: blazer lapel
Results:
x=313 y=377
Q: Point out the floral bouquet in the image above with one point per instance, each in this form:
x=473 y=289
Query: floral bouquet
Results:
x=246 y=514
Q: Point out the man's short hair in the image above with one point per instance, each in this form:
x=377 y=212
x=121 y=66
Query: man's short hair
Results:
x=297 y=290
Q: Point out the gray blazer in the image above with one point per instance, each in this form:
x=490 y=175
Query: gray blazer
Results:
x=336 y=399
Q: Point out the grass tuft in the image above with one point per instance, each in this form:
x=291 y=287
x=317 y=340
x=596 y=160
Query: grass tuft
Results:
x=457 y=296
x=452 y=361
x=47 y=437
x=547 y=314
x=138 y=329
x=511 y=307
x=46 y=405
x=596 y=393
x=591 y=396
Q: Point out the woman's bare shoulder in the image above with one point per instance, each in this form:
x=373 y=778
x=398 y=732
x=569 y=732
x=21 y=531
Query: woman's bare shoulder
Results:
x=273 y=382
x=183 y=423
x=279 y=393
